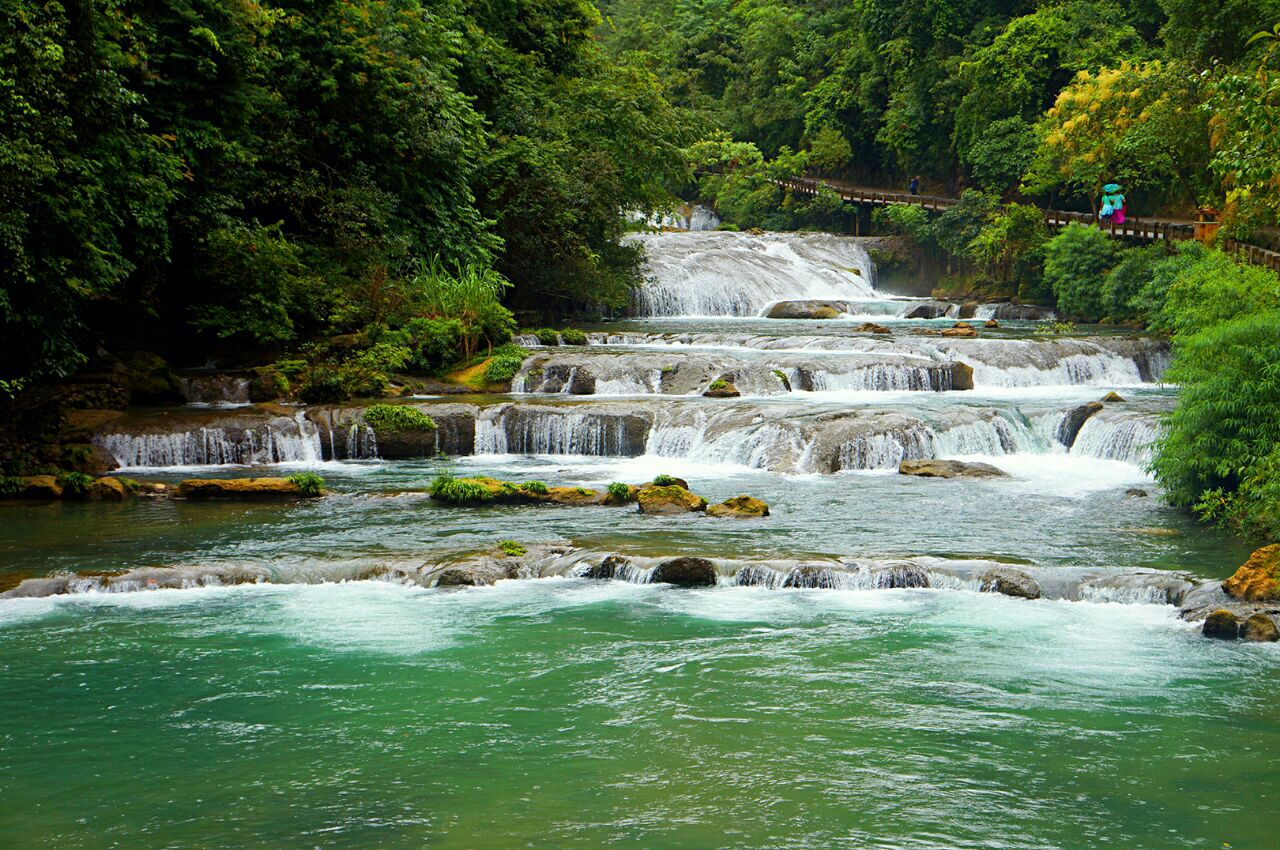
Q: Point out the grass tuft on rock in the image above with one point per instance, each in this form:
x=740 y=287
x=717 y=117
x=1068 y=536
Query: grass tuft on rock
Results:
x=396 y=418
x=308 y=483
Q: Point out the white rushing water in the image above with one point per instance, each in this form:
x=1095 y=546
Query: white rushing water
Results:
x=740 y=274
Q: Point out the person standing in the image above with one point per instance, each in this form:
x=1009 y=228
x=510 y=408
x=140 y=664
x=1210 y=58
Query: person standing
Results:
x=915 y=185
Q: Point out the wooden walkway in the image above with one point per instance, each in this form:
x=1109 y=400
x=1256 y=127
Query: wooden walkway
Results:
x=1142 y=229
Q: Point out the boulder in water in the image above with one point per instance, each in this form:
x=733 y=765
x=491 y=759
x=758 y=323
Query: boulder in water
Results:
x=108 y=489
x=1136 y=492
x=969 y=309
x=1112 y=397
x=1260 y=628
x=665 y=501
x=929 y=310
x=481 y=574
x=901 y=576
x=1010 y=582
x=573 y=496
x=809 y=576
x=608 y=568
x=1221 y=624
x=991 y=323
x=949 y=469
x=686 y=572
x=721 y=388
x=1071 y=424
x=961 y=330
x=871 y=328
x=35 y=487
x=1025 y=312
x=240 y=488
x=806 y=310
x=742 y=507
x=1255 y=581
x=961 y=376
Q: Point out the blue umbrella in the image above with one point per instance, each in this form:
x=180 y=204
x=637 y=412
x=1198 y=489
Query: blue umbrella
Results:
x=1111 y=188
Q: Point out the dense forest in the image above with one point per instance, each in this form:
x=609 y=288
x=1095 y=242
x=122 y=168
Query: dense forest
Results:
x=350 y=190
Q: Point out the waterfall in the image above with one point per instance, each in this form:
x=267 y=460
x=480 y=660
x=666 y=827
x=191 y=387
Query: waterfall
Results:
x=740 y=274
x=362 y=442
x=216 y=390
x=512 y=429
x=1128 y=438
x=278 y=441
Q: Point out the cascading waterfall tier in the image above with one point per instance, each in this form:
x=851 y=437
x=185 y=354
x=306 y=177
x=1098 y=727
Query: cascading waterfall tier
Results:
x=1127 y=586
x=741 y=274
x=1100 y=361
x=248 y=442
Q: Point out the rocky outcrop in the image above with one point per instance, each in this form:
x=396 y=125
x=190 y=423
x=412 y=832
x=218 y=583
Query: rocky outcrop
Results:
x=929 y=310
x=1260 y=628
x=1010 y=582
x=871 y=328
x=479 y=574
x=609 y=568
x=1222 y=625
x=240 y=488
x=991 y=323
x=806 y=310
x=1023 y=312
x=1069 y=427
x=108 y=489
x=1255 y=580
x=685 y=572
x=1112 y=397
x=722 y=388
x=35 y=487
x=741 y=507
x=666 y=501
x=961 y=330
x=949 y=469
x=961 y=376
x=968 y=309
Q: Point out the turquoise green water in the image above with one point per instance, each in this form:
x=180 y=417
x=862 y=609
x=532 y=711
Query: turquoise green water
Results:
x=567 y=713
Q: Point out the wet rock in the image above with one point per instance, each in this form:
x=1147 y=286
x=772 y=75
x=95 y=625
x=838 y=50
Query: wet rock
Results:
x=686 y=572
x=1010 y=582
x=871 y=328
x=149 y=380
x=949 y=469
x=807 y=576
x=607 y=569
x=961 y=376
x=557 y=378
x=665 y=501
x=754 y=575
x=961 y=330
x=1112 y=397
x=806 y=310
x=742 y=507
x=1261 y=628
x=929 y=310
x=1024 y=312
x=239 y=488
x=1136 y=493
x=991 y=323
x=667 y=481
x=481 y=574
x=37 y=487
x=79 y=426
x=576 y=496
x=1222 y=625
x=901 y=576
x=1071 y=424
x=721 y=388
x=108 y=489
x=968 y=309
x=1255 y=580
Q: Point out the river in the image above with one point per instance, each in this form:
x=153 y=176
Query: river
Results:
x=330 y=702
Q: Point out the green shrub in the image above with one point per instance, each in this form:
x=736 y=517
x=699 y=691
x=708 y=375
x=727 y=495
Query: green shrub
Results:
x=129 y=484
x=308 y=483
x=449 y=489
x=393 y=418
x=546 y=336
x=619 y=491
x=502 y=369
x=719 y=384
x=1124 y=284
x=1076 y=264
x=385 y=357
x=665 y=480
x=1225 y=423
x=326 y=382
x=1055 y=328
x=10 y=486
x=900 y=220
x=75 y=483
x=511 y=548
x=291 y=368
x=1205 y=287
x=573 y=336
x=536 y=487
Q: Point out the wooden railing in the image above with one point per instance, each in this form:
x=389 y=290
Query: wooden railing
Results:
x=1143 y=229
